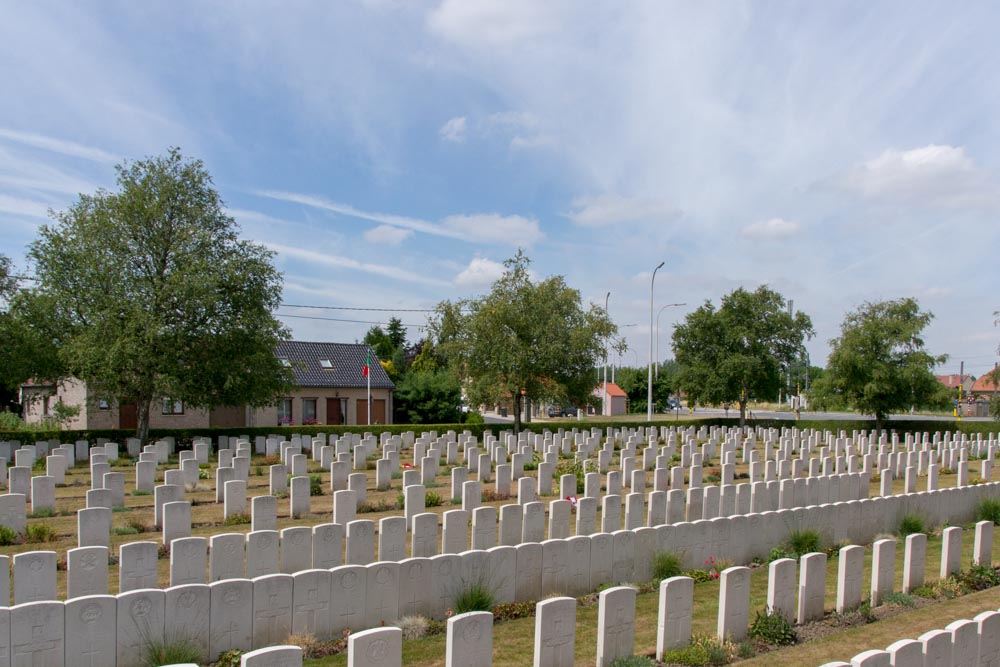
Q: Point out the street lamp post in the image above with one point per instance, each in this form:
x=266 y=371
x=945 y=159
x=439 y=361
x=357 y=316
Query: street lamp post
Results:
x=604 y=397
x=662 y=308
x=649 y=394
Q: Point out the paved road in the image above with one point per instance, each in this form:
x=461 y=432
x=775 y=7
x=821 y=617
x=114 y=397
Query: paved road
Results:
x=490 y=418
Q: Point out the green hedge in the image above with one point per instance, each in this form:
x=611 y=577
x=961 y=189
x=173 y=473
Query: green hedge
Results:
x=184 y=436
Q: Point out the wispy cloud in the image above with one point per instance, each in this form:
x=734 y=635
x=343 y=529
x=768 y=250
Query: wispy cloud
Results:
x=453 y=130
x=61 y=146
x=480 y=228
x=18 y=206
x=775 y=228
x=339 y=262
x=617 y=210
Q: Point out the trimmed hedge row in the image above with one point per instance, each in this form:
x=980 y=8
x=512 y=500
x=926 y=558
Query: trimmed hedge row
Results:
x=186 y=435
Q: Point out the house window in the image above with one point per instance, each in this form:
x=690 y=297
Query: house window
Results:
x=172 y=407
x=326 y=364
x=284 y=361
x=308 y=410
x=103 y=404
x=45 y=406
x=284 y=411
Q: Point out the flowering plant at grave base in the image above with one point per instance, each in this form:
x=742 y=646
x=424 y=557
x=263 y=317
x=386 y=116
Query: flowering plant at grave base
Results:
x=716 y=566
x=572 y=501
x=406 y=465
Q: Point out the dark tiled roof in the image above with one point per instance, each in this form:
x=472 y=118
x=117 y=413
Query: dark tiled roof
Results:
x=348 y=359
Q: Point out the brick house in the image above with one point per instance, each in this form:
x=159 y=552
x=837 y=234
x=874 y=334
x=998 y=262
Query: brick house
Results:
x=329 y=389
x=617 y=403
x=955 y=380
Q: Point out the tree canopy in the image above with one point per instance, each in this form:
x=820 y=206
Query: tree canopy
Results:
x=879 y=364
x=739 y=351
x=535 y=337
x=148 y=292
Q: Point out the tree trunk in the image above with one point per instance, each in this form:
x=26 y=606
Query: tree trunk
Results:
x=878 y=424
x=517 y=413
x=142 y=419
x=743 y=414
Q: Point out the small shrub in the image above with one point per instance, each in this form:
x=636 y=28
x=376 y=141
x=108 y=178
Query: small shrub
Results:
x=772 y=628
x=530 y=465
x=454 y=501
x=377 y=506
x=988 y=510
x=157 y=653
x=924 y=592
x=634 y=661
x=229 y=659
x=746 y=649
x=491 y=496
x=910 y=524
x=397 y=475
x=204 y=473
x=236 y=520
x=8 y=536
x=508 y=611
x=979 y=578
x=703 y=650
x=715 y=566
x=138 y=492
x=699 y=576
x=666 y=564
x=124 y=530
x=137 y=524
x=312 y=647
x=413 y=627
x=39 y=532
x=475 y=597
x=315 y=485
x=861 y=615
x=802 y=542
x=900 y=600
x=432 y=499
x=43 y=513
x=777 y=553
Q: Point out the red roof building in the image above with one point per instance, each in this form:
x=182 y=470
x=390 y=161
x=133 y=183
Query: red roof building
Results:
x=616 y=402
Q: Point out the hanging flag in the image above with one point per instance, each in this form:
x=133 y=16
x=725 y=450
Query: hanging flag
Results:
x=367 y=369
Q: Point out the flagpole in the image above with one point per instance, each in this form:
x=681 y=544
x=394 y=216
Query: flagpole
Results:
x=369 y=387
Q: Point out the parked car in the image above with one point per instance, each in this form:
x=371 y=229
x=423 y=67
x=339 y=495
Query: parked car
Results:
x=673 y=404
x=569 y=411
x=562 y=411
x=555 y=411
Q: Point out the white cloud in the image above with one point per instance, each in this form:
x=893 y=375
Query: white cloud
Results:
x=453 y=130
x=512 y=230
x=69 y=148
x=936 y=175
x=481 y=272
x=615 y=209
x=775 y=228
x=339 y=262
x=387 y=235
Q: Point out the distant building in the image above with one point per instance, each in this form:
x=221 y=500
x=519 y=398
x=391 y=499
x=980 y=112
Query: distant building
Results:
x=985 y=387
x=329 y=389
x=617 y=403
x=955 y=380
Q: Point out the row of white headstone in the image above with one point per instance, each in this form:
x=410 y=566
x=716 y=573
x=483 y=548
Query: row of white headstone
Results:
x=964 y=642
x=243 y=613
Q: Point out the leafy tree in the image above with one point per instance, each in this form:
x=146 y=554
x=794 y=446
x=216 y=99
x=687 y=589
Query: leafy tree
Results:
x=879 y=363
x=634 y=382
x=148 y=292
x=740 y=350
x=380 y=342
x=428 y=397
x=396 y=333
x=523 y=335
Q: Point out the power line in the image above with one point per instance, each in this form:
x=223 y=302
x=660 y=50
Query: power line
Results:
x=381 y=310
x=334 y=319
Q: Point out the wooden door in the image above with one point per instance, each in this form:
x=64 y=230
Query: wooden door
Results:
x=333 y=414
x=378 y=411
x=128 y=416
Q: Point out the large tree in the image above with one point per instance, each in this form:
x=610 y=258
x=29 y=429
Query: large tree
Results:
x=149 y=293
x=524 y=336
x=879 y=364
x=740 y=350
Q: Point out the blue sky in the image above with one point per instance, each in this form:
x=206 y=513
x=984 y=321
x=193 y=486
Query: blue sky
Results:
x=394 y=153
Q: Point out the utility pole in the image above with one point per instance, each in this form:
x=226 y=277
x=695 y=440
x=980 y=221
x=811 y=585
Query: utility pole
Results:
x=604 y=396
x=788 y=370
